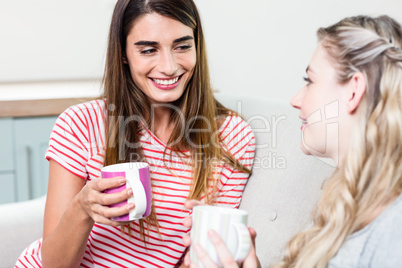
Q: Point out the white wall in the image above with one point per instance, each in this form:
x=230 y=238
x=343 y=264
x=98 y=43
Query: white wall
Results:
x=258 y=47
x=262 y=47
x=43 y=40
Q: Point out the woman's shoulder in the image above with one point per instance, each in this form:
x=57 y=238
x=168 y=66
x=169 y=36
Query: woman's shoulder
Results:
x=384 y=243
x=377 y=245
x=82 y=117
x=234 y=124
x=88 y=108
x=386 y=227
x=236 y=134
x=389 y=217
x=86 y=111
x=390 y=221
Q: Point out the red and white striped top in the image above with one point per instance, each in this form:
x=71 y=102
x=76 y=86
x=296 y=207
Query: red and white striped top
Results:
x=77 y=143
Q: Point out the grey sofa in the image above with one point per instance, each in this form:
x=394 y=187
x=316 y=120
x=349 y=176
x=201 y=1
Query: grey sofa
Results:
x=280 y=195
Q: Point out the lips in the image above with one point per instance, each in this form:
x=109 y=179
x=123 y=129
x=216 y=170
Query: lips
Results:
x=166 y=83
x=304 y=122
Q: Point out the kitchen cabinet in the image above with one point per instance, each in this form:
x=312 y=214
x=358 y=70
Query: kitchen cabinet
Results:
x=23 y=167
x=6 y=145
x=7 y=191
x=7 y=176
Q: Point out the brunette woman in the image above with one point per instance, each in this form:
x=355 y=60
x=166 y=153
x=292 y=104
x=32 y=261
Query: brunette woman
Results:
x=157 y=107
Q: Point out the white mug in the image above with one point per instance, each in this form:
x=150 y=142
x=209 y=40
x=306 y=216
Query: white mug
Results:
x=229 y=223
x=139 y=180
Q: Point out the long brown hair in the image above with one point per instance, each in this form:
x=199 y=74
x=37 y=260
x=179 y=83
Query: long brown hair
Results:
x=371 y=175
x=129 y=110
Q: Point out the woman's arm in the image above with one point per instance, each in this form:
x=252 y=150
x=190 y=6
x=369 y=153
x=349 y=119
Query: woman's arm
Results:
x=72 y=208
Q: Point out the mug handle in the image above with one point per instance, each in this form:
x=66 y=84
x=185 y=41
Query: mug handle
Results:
x=139 y=196
x=243 y=241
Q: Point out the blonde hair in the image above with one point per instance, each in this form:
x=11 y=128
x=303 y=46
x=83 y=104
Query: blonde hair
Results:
x=371 y=174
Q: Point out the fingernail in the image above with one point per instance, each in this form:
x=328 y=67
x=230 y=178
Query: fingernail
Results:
x=197 y=248
x=122 y=181
x=130 y=206
x=212 y=236
x=130 y=192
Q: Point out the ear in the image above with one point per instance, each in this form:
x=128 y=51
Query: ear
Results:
x=357 y=88
x=125 y=60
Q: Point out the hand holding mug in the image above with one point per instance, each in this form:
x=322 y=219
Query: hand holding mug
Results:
x=95 y=202
x=122 y=194
x=226 y=257
x=137 y=178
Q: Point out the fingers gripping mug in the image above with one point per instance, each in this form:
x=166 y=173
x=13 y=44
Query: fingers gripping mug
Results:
x=138 y=178
x=229 y=223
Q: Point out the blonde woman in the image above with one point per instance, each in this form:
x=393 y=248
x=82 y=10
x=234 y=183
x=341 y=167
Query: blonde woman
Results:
x=355 y=79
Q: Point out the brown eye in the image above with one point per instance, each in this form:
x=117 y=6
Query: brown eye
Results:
x=184 y=47
x=148 y=51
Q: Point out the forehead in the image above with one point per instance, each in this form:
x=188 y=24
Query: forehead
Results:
x=155 y=27
x=321 y=62
x=320 y=58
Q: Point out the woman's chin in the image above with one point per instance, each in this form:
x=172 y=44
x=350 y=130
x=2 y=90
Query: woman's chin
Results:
x=304 y=149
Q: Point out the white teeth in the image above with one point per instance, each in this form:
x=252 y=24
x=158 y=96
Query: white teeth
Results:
x=166 y=82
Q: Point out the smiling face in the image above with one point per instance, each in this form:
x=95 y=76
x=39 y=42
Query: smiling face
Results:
x=161 y=55
x=323 y=108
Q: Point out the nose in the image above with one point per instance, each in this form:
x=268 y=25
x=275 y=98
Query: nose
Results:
x=296 y=100
x=167 y=63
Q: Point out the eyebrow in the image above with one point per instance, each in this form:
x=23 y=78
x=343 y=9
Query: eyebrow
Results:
x=153 y=43
x=184 y=38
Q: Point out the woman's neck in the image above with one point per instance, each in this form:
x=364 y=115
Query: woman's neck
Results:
x=162 y=125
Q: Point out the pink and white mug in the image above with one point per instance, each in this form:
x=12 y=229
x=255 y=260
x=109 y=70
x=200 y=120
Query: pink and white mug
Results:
x=138 y=179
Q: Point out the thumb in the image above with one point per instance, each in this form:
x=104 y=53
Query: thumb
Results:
x=253 y=234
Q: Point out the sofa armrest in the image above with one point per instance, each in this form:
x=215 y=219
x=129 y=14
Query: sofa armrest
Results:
x=20 y=224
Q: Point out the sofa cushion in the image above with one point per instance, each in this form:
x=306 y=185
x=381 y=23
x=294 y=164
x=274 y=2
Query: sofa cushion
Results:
x=21 y=224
